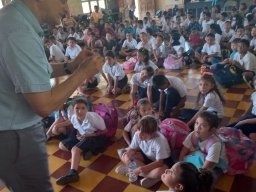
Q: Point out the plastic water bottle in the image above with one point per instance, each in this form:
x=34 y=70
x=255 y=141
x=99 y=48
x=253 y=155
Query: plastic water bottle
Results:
x=131 y=167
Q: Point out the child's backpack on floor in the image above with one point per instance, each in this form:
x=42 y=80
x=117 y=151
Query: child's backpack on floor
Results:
x=131 y=115
x=229 y=75
x=130 y=64
x=172 y=62
x=239 y=149
x=109 y=114
x=176 y=132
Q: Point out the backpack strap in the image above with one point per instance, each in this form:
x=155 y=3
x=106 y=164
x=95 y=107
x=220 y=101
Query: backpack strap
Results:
x=210 y=141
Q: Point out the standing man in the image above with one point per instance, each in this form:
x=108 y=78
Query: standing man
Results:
x=96 y=15
x=131 y=8
x=26 y=94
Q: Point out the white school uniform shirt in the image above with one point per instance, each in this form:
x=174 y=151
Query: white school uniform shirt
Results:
x=73 y=52
x=239 y=37
x=178 y=84
x=211 y=49
x=221 y=24
x=138 y=67
x=206 y=25
x=253 y=98
x=248 y=61
x=152 y=40
x=156 y=148
x=56 y=52
x=140 y=30
x=136 y=80
x=217 y=38
x=159 y=49
x=253 y=43
x=130 y=44
x=91 y=123
x=213 y=103
x=228 y=34
x=114 y=71
x=60 y=45
x=214 y=153
x=147 y=46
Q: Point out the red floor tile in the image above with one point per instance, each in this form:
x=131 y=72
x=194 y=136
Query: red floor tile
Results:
x=109 y=184
x=104 y=164
x=63 y=154
x=243 y=184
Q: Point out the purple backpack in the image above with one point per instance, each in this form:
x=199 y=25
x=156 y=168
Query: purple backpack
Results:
x=109 y=113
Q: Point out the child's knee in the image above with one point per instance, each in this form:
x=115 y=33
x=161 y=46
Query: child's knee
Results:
x=62 y=146
x=76 y=150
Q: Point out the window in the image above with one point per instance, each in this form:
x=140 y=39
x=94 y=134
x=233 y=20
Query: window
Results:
x=88 y=5
x=1 y=4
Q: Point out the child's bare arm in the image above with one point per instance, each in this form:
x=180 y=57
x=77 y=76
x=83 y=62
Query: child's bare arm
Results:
x=208 y=165
x=183 y=153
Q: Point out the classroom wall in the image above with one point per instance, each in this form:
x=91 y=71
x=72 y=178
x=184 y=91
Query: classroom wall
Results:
x=167 y=4
x=75 y=7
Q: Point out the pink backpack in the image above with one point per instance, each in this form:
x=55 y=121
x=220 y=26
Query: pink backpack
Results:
x=171 y=62
x=109 y=114
x=239 y=149
x=175 y=131
x=130 y=64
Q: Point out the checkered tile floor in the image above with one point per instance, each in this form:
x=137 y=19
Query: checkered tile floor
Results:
x=97 y=175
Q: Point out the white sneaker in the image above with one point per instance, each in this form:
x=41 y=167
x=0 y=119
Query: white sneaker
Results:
x=148 y=182
x=122 y=170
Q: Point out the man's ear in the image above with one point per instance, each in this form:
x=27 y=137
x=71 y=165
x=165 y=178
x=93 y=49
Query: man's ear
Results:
x=178 y=187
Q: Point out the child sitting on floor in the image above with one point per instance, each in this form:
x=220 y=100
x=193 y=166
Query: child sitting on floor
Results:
x=117 y=79
x=150 y=152
x=173 y=94
x=247 y=123
x=210 y=156
x=143 y=108
x=83 y=139
x=141 y=86
x=144 y=60
x=209 y=98
x=185 y=177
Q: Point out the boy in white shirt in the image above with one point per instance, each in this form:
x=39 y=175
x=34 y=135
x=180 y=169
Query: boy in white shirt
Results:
x=129 y=46
x=72 y=50
x=245 y=60
x=117 y=79
x=211 y=52
x=206 y=22
x=84 y=139
x=56 y=55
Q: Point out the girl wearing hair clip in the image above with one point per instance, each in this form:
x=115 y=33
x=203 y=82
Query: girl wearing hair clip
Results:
x=185 y=177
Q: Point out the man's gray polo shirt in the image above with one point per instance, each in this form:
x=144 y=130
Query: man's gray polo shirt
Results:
x=23 y=66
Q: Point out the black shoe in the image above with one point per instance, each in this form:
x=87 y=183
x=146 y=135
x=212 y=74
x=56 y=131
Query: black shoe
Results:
x=64 y=180
x=87 y=155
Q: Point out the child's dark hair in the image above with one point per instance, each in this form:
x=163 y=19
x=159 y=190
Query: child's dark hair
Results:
x=175 y=38
x=110 y=54
x=148 y=124
x=159 y=80
x=194 y=180
x=71 y=39
x=84 y=100
x=150 y=71
x=210 y=117
x=145 y=53
x=245 y=42
x=210 y=79
x=210 y=35
x=216 y=28
x=236 y=40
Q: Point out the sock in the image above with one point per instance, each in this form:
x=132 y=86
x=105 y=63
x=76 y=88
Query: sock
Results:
x=73 y=172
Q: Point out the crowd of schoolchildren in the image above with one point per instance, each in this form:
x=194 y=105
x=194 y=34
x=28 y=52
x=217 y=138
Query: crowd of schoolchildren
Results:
x=224 y=45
